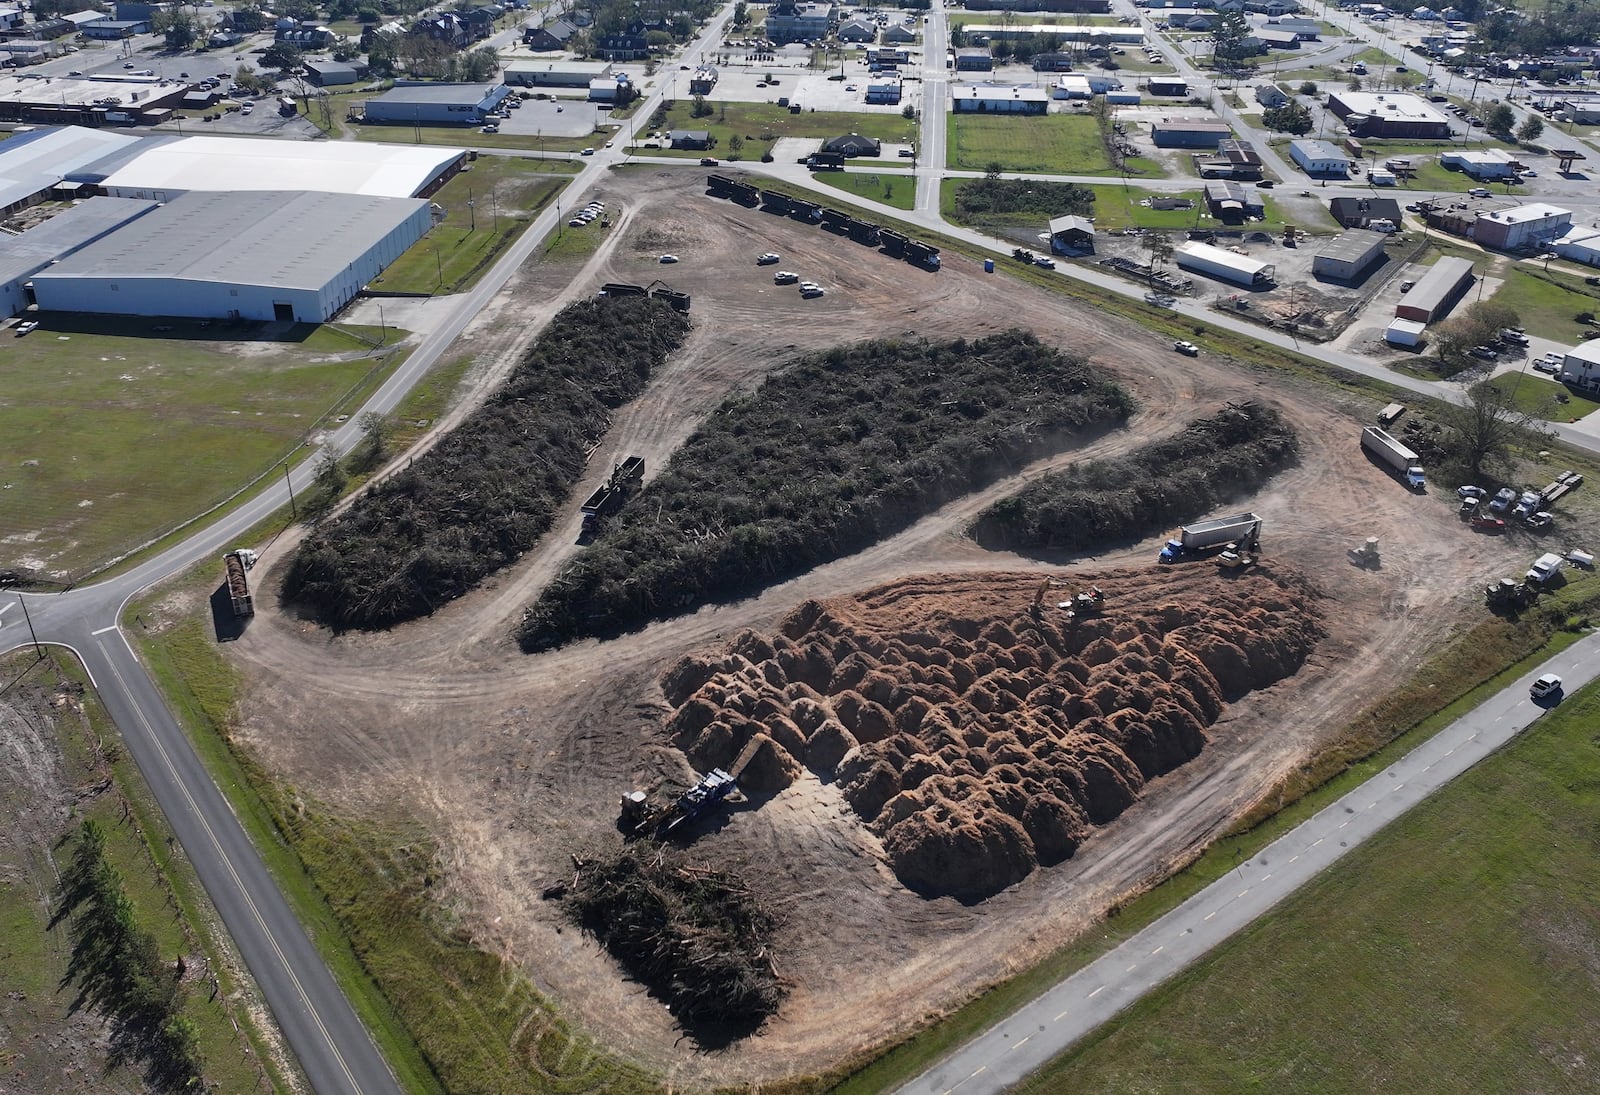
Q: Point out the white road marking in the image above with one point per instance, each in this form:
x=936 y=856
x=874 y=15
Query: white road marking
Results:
x=103 y=630
x=1131 y=968
x=1265 y=877
x=1243 y=892
x=1319 y=840
x=1092 y=995
x=1293 y=858
x=1210 y=914
x=1021 y=1043
x=1159 y=949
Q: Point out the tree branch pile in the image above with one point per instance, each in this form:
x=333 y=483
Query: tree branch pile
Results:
x=490 y=489
x=696 y=937
x=1215 y=460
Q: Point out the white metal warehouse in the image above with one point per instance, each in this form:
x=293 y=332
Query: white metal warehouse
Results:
x=171 y=168
x=1202 y=258
x=256 y=256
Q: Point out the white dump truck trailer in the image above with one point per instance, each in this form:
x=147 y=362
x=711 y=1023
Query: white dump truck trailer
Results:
x=1394 y=455
x=1243 y=529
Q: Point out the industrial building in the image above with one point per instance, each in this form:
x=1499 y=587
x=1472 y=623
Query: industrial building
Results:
x=83 y=100
x=1350 y=255
x=333 y=73
x=555 y=73
x=295 y=256
x=1189 y=133
x=47 y=163
x=1363 y=212
x=1215 y=262
x=165 y=169
x=884 y=89
x=1229 y=201
x=24 y=254
x=1234 y=159
x=974 y=60
x=998 y=99
x=1404 y=332
x=1072 y=86
x=1388 y=114
x=1432 y=297
x=1522 y=228
x=1168 y=87
x=436 y=104
x=1580 y=243
x=1319 y=158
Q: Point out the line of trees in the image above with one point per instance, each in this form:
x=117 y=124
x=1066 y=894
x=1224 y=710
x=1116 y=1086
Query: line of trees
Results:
x=481 y=497
x=836 y=452
x=1213 y=461
x=119 y=971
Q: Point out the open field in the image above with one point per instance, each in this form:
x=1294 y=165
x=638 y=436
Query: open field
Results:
x=506 y=795
x=759 y=125
x=899 y=191
x=1547 y=302
x=64 y=766
x=505 y=193
x=1460 y=937
x=1546 y=398
x=118 y=433
x=1056 y=144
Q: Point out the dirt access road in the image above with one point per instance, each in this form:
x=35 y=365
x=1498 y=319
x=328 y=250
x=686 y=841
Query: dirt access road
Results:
x=515 y=761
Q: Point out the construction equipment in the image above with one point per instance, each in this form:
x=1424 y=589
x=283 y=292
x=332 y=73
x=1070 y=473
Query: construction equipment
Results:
x=1236 y=559
x=641 y=817
x=1508 y=593
x=1086 y=603
x=1244 y=529
x=1366 y=555
x=609 y=498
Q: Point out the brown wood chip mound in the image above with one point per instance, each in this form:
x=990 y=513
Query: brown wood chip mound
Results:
x=977 y=739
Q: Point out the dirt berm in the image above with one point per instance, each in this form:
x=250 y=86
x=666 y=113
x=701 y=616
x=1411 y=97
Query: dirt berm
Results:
x=980 y=737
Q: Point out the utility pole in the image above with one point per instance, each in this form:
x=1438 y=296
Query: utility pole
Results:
x=294 y=514
x=23 y=601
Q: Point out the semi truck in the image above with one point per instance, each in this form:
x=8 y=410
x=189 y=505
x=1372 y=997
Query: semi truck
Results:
x=236 y=563
x=609 y=498
x=1242 y=529
x=1394 y=455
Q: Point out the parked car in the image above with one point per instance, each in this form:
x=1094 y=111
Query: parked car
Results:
x=587 y=152
x=1488 y=524
x=785 y=277
x=669 y=258
x=707 y=161
x=1544 y=365
x=1539 y=521
x=1470 y=491
x=1503 y=499
x=1187 y=348
x=1485 y=352
x=1546 y=686
x=26 y=326
x=1047 y=263
x=771 y=258
x=907 y=153
x=247 y=108
x=1514 y=334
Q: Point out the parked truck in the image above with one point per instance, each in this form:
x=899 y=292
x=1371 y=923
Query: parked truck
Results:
x=923 y=254
x=609 y=498
x=825 y=161
x=236 y=563
x=1394 y=455
x=1242 y=529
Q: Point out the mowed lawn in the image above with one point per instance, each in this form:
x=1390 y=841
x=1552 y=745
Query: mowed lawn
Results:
x=759 y=125
x=1457 y=951
x=1053 y=144
x=114 y=433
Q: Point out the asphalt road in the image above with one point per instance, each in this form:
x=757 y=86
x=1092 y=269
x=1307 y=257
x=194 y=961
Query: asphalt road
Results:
x=1034 y=1034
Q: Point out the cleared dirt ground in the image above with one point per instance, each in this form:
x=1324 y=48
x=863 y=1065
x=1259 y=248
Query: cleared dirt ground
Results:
x=518 y=760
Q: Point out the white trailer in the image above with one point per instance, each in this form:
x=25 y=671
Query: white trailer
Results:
x=1242 y=528
x=1394 y=455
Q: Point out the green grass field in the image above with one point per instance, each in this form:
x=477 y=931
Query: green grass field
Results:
x=1546 y=303
x=1056 y=144
x=759 y=125
x=1453 y=952
x=156 y=878
x=116 y=433
x=899 y=191
x=506 y=193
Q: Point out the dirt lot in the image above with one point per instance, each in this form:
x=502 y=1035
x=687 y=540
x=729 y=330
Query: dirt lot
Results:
x=520 y=759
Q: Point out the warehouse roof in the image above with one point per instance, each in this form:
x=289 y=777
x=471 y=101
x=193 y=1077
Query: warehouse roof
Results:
x=1352 y=245
x=1207 y=253
x=291 y=240
x=31 y=163
x=1392 y=105
x=1318 y=150
x=1441 y=280
x=426 y=94
x=585 y=68
x=246 y=163
x=1522 y=213
x=27 y=252
x=1586 y=352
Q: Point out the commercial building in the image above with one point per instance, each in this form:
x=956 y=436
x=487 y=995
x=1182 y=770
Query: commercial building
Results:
x=297 y=257
x=1581 y=367
x=555 y=73
x=1189 y=133
x=1071 y=86
x=35 y=166
x=788 y=21
x=165 y=169
x=1101 y=36
x=1215 y=262
x=1432 y=297
x=1072 y=235
x=1234 y=159
x=1319 y=158
x=1229 y=201
x=26 y=253
x=1394 y=114
x=974 y=60
x=84 y=100
x=1481 y=163
x=1350 y=255
x=1522 y=228
x=436 y=104
x=1580 y=243
x=333 y=73
x=703 y=80
x=1168 y=87
x=998 y=99
x=1361 y=212
x=858 y=30
x=884 y=89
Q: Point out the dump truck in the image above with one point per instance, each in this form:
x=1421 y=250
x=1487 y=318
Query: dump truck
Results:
x=893 y=243
x=609 y=498
x=825 y=161
x=923 y=254
x=774 y=201
x=641 y=817
x=1394 y=455
x=810 y=212
x=864 y=232
x=236 y=563
x=1242 y=529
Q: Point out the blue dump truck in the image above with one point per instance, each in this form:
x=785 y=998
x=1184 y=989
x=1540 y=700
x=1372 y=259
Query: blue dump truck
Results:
x=1242 y=529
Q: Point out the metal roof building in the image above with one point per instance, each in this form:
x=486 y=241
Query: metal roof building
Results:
x=1436 y=292
x=435 y=104
x=286 y=256
x=1349 y=255
x=1202 y=258
x=26 y=253
x=539 y=73
x=32 y=164
x=175 y=167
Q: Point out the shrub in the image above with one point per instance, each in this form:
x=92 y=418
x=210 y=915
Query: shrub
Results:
x=835 y=453
x=487 y=491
